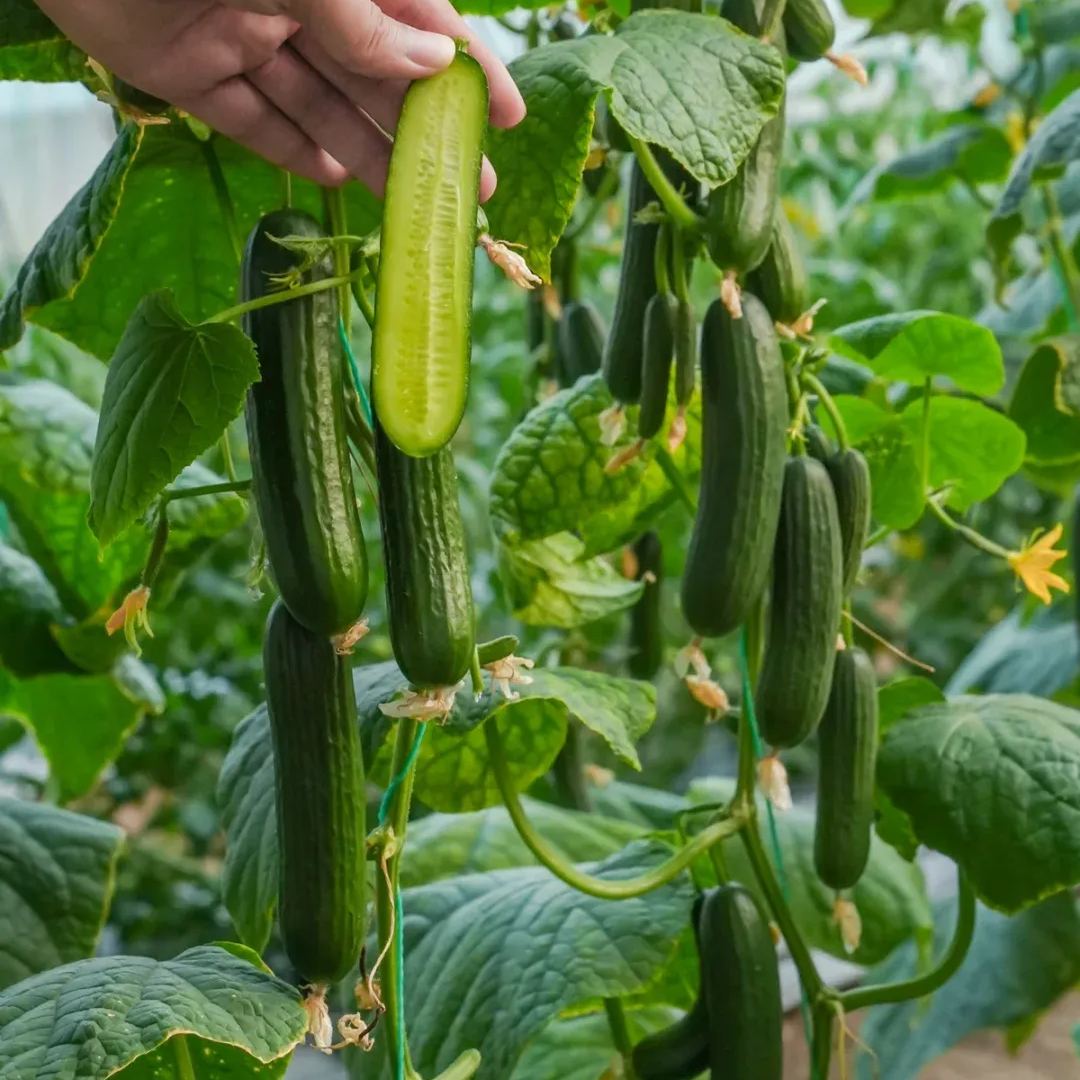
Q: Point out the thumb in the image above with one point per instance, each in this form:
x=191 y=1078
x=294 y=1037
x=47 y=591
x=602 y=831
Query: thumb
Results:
x=364 y=39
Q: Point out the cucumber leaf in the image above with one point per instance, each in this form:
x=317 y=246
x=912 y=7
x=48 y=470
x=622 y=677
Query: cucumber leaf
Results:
x=689 y=83
x=95 y=1018
x=1046 y=403
x=57 y=872
x=172 y=389
x=961 y=770
x=32 y=48
x=30 y=612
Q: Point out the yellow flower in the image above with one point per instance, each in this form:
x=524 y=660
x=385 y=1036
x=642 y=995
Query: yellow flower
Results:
x=846 y=917
x=773 y=780
x=132 y=616
x=509 y=672
x=1032 y=563
x=707 y=692
x=320 y=1027
x=612 y=423
x=345 y=643
x=435 y=704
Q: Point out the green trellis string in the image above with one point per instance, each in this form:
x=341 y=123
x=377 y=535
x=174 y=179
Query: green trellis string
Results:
x=399 y=936
x=354 y=369
x=774 y=835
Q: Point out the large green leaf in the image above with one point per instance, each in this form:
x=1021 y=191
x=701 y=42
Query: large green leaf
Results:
x=46 y=448
x=32 y=48
x=1052 y=147
x=149 y=220
x=689 y=83
x=1016 y=968
x=57 y=872
x=172 y=389
x=94 y=1018
x=29 y=611
x=917 y=345
x=1046 y=403
x=499 y=955
x=991 y=782
x=449 y=845
x=102 y=709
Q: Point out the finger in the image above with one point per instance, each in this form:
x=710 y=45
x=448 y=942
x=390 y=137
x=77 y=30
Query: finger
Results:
x=507 y=106
x=365 y=40
x=238 y=110
x=326 y=116
x=488 y=180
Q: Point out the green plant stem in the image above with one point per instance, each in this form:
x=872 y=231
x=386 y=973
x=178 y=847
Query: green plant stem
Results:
x=620 y=1035
x=338 y=214
x=824 y=1015
x=675 y=479
x=1061 y=254
x=763 y=871
x=227 y=456
x=976 y=539
x=282 y=297
x=770 y=17
x=862 y=996
x=877 y=536
x=363 y=301
x=575 y=878
x=680 y=284
x=681 y=215
x=816 y=386
x=185 y=1070
x=224 y=199
x=924 y=434
x=661 y=256
x=158 y=545
x=237 y=487
x=286 y=188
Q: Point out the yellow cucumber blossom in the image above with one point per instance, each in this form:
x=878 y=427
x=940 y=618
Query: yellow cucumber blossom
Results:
x=509 y=262
x=851 y=67
x=509 y=672
x=612 y=424
x=677 y=431
x=131 y=616
x=435 y=704
x=345 y=642
x=707 y=692
x=773 y=780
x=692 y=659
x=1032 y=563
x=846 y=916
x=320 y=1027
x=622 y=458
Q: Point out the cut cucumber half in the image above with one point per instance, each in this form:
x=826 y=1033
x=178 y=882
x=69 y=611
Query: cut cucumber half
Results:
x=420 y=373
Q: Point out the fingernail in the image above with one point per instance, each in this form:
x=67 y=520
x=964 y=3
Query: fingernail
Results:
x=432 y=51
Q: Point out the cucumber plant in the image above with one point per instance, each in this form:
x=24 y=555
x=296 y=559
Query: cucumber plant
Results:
x=679 y=490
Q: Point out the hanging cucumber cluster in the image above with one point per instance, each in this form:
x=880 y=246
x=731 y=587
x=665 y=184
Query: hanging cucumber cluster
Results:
x=303 y=489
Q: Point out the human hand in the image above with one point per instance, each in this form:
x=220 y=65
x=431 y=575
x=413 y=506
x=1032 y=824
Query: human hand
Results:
x=314 y=86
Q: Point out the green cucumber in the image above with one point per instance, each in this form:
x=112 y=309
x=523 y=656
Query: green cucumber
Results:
x=847 y=751
x=301 y=475
x=658 y=347
x=685 y=352
x=489 y=652
x=319 y=774
x=804 y=612
x=608 y=130
x=579 y=342
x=623 y=351
x=780 y=279
x=744 y=423
x=850 y=475
x=809 y=29
x=646 y=631
x=818 y=445
x=423 y=307
x=740 y=978
x=428 y=594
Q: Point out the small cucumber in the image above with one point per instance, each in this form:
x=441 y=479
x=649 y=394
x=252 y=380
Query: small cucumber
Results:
x=685 y=352
x=579 y=342
x=301 y=475
x=423 y=307
x=809 y=29
x=804 y=612
x=850 y=475
x=428 y=593
x=847 y=749
x=740 y=977
x=780 y=279
x=744 y=421
x=658 y=351
x=646 y=631
x=319 y=774
x=818 y=445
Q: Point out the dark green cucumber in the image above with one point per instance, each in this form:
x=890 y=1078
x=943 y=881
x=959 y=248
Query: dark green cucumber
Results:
x=740 y=978
x=580 y=341
x=744 y=420
x=623 y=350
x=804 y=612
x=818 y=445
x=850 y=475
x=685 y=352
x=657 y=353
x=428 y=594
x=780 y=278
x=809 y=29
x=847 y=749
x=319 y=774
x=646 y=632
x=301 y=475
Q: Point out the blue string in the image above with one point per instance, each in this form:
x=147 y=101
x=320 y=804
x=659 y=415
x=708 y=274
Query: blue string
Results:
x=354 y=370
x=774 y=833
x=399 y=936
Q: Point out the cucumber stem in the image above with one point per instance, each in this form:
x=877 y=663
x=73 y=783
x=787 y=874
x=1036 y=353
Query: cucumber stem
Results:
x=185 y=1070
x=946 y=967
x=660 y=259
x=363 y=301
x=566 y=871
x=620 y=1035
x=976 y=539
x=227 y=456
x=282 y=297
x=816 y=386
x=237 y=487
x=678 y=267
x=680 y=214
x=338 y=216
